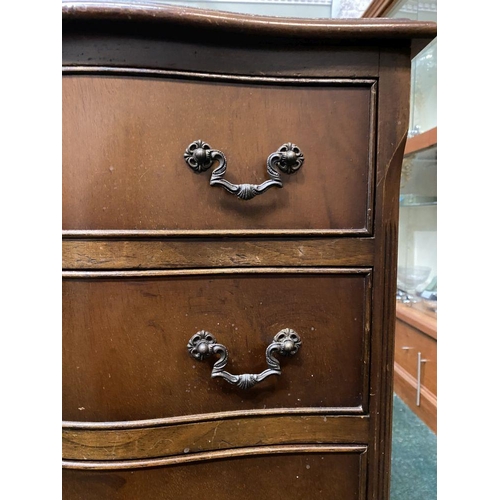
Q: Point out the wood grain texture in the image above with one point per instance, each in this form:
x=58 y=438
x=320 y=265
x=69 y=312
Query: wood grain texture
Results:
x=196 y=22
x=103 y=53
x=126 y=300
x=205 y=417
x=173 y=37
x=208 y=233
x=379 y=9
x=416 y=333
x=124 y=341
x=161 y=253
x=419 y=318
x=162 y=441
x=416 y=341
x=212 y=455
x=393 y=115
x=152 y=273
x=124 y=140
x=266 y=472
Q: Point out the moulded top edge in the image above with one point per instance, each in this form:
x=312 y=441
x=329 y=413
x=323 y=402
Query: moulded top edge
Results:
x=148 y=13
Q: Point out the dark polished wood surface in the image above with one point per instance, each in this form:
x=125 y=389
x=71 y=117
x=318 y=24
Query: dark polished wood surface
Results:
x=157 y=252
x=122 y=173
x=146 y=14
x=125 y=356
x=153 y=254
x=148 y=35
x=268 y=473
x=150 y=440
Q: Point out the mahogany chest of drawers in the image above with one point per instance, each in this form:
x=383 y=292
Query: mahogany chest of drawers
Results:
x=230 y=205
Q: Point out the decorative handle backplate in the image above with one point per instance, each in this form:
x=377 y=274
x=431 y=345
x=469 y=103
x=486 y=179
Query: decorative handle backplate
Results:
x=200 y=157
x=203 y=345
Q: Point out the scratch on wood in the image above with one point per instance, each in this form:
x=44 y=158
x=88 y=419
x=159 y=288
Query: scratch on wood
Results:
x=215 y=433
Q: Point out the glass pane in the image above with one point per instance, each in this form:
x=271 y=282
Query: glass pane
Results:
x=423 y=108
x=417 y=252
x=424 y=90
x=417 y=10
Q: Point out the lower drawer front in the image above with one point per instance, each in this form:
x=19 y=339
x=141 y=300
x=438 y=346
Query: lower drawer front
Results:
x=269 y=473
x=125 y=353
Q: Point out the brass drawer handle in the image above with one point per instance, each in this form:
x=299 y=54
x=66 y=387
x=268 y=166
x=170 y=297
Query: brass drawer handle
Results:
x=200 y=157
x=203 y=345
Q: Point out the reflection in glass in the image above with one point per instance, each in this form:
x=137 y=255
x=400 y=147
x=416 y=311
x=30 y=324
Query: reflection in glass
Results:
x=417 y=252
x=424 y=68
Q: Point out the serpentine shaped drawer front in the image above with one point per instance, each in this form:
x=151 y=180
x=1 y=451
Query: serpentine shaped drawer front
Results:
x=146 y=343
x=125 y=141
x=266 y=471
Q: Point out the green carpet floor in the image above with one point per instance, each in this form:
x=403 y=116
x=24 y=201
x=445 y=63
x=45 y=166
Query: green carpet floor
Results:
x=414 y=456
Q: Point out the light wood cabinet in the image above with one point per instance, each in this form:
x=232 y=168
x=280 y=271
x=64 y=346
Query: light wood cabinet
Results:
x=415 y=361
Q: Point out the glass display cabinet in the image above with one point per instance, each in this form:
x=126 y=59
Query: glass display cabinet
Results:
x=417 y=255
x=416 y=311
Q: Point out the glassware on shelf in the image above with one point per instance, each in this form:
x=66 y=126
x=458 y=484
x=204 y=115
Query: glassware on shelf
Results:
x=429 y=295
x=411 y=278
x=417 y=250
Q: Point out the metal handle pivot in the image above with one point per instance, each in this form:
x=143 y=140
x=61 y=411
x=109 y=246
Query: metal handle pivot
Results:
x=203 y=345
x=200 y=157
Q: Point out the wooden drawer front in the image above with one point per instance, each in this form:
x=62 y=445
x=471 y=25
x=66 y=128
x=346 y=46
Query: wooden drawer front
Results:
x=410 y=342
x=271 y=473
x=125 y=341
x=124 y=140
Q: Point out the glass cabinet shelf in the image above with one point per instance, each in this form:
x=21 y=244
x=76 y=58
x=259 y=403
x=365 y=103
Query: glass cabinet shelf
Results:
x=417 y=254
x=414 y=200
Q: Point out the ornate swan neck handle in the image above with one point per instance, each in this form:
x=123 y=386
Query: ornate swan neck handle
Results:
x=203 y=345
x=200 y=157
